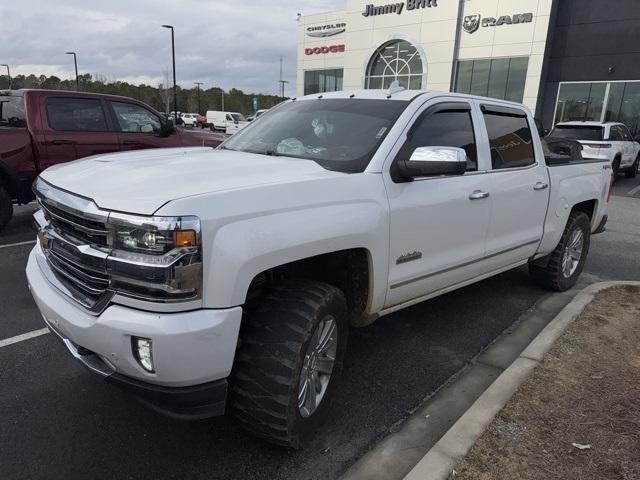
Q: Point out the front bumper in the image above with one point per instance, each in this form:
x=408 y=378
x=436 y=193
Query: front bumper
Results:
x=193 y=352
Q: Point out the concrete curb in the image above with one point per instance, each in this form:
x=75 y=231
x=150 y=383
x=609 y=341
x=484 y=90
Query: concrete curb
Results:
x=439 y=462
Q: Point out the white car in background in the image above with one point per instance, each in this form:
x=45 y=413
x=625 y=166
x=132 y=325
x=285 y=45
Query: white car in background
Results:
x=228 y=122
x=189 y=119
x=608 y=140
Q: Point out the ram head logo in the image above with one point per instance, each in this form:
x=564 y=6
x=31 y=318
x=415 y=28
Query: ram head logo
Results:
x=471 y=23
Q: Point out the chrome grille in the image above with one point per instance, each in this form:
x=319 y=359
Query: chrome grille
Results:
x=73 y=237
x=74 y=225
x=91 y=281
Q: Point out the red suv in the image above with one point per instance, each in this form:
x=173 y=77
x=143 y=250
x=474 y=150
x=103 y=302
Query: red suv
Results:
x=40 y=128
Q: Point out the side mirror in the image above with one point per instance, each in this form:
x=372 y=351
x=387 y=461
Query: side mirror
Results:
x=434 y=161
x=166 y=128
x=543 y=132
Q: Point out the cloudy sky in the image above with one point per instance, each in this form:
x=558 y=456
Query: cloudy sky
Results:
x=222 y=43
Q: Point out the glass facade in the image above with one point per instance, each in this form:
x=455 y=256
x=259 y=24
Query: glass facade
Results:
x=501 y=78
x=600 y=101
x=319 y=81
x=395 y=60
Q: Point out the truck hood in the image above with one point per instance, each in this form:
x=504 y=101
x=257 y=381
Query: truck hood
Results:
x=142 y=182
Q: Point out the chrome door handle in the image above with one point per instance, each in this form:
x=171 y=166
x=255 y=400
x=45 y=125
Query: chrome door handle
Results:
x=478 y=195
x=540 y=186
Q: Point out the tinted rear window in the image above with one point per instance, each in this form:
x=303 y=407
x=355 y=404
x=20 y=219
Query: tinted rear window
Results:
x=510 y=141
x=578 y=133
x=12 y=112
x=76 y=115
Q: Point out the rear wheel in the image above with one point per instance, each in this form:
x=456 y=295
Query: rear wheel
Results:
x=290 y=358
x=564 y=265
x=633 y=169
x=6 y=207
x=615 y=166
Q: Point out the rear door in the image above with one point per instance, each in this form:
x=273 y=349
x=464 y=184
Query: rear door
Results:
x=78 y=128
x=139 y=128
x=519 y=187
x=630 y=150
x=438 y=224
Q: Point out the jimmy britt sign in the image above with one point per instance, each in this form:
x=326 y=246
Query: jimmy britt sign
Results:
x=372 y=10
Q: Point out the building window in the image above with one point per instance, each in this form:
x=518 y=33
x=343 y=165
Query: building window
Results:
x=600 y=101
x=501 y=78
x=319 y=81
x=395 y=60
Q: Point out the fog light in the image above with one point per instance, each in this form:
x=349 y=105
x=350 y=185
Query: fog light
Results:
x=143 y=352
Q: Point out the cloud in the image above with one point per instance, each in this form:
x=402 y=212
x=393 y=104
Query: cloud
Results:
x=220 y=43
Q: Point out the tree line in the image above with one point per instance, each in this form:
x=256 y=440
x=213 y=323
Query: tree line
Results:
x=160 y=97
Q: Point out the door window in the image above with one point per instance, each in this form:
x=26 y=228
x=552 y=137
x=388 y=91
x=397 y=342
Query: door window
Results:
x=12 y=112
x=510 y=140
x=76 y=115
x=447 y=128
x=626 y=134
x=135 y=119
x=614 y=134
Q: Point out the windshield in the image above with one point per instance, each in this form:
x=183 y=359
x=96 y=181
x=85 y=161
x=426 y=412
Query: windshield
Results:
x=12 y=112
x=578 y=132
x=238 y=117
x=338 y=134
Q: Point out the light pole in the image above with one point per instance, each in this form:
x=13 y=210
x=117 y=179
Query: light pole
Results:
x=75 y=63
x=8 y=73
x=197 y=84
x=281 y=81
x=175 y=90
x=222 y=91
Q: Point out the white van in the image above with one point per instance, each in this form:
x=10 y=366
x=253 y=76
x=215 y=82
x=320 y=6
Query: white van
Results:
x=229 y=122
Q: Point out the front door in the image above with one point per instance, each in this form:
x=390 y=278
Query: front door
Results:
x=438 y=224
x=139 y=128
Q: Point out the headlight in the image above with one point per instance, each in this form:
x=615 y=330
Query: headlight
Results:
x=155 y=258
x=153 y=235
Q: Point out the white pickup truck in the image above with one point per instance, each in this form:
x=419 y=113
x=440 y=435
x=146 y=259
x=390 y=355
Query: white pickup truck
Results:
x=184 y=274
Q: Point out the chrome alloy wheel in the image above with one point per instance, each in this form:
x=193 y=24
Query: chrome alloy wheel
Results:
x=572 y=254
x=317 y=366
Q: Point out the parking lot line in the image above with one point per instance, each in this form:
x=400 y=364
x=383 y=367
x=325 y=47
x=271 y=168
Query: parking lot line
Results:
x=8 y=245
x=25 y=336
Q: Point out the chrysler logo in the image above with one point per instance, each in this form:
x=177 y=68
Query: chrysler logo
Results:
x=471 y=23
x=326 y=30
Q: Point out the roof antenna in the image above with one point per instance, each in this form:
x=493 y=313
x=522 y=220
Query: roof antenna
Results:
x=395 y=87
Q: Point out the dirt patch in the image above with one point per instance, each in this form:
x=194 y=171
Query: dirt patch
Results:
x=585 y=392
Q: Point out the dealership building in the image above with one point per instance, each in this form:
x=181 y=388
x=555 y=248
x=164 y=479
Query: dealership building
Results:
x=565 y=59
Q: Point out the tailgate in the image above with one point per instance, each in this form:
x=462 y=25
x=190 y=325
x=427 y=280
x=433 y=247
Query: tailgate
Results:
x=594 y=149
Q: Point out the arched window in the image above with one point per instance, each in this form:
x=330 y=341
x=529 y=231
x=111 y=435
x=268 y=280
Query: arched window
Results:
x=395 y=60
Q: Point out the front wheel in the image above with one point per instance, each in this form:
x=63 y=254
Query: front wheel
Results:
x=633 y=169
x=561 y=269
x=289 y=360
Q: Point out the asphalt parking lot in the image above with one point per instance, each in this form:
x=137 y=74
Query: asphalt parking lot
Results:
x=59 y=421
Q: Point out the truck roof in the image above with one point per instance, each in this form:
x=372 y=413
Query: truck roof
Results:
x=65 y=93
x=404 y=95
